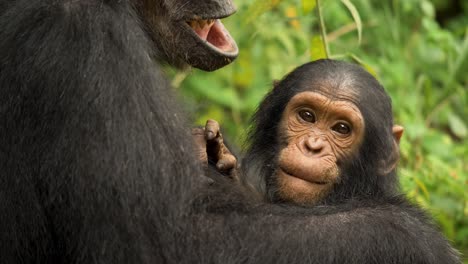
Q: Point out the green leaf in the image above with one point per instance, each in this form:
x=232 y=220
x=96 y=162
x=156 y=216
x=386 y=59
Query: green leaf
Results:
x=415 y=130
x=446 y=222
x=244 y=72
x=258 y=7
x=356 y=17
x=317 y=49
x=286 y=41
x=363 y=64
x=457 y=126
x=436 y=142
x=428 y=8
x=212 y=112
x=422 y=187
x=208 y=88
x=308 y=6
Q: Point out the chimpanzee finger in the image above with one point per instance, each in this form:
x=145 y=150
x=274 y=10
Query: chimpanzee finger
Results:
x=198 y=135
x=226 y=163
x=211 y=129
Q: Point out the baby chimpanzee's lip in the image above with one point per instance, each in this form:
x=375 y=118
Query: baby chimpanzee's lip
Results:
x=212 y=33
x=282 y=170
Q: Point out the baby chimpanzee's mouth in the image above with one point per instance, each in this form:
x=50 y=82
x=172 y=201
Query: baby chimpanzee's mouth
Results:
x=307 y=178
x=213 y=34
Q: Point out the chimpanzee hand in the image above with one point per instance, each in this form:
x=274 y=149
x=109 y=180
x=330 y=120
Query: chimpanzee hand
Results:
x=211 y=149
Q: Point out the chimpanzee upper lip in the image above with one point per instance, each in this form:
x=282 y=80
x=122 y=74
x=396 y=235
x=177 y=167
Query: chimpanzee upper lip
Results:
x=285 y=171
x=212 y=33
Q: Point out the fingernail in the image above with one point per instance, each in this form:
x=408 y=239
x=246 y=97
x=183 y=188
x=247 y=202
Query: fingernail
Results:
x=209 y=135
x=220 y=166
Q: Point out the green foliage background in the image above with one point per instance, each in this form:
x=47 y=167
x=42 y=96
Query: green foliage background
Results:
x=422 y=62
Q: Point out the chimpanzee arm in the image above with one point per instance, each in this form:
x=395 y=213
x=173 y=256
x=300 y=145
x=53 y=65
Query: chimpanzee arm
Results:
x=356 y=232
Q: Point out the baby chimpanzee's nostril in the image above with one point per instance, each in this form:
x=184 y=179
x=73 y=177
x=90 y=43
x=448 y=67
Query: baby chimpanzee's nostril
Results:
x=314 y=144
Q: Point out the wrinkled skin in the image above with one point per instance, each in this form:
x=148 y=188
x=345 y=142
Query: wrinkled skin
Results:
x=318 y=133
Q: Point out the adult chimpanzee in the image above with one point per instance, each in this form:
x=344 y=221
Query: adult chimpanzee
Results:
x=324 y=138
x=90 y=139
x=96 y=164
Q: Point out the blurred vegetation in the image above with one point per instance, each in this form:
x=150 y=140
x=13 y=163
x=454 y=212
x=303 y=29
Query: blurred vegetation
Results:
x=418 y=49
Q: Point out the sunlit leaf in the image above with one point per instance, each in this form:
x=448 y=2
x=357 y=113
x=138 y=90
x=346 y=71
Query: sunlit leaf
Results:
x=356 y=17
x=428 y=8
x=308 y=6
x=457 y=126
x=291 y=13
x=317 y=49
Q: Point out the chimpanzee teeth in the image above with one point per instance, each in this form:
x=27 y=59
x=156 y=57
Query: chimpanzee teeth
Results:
x=200 y=23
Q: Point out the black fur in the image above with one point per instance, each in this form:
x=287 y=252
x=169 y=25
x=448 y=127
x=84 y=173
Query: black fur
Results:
x=96 y=163
x=367 y=176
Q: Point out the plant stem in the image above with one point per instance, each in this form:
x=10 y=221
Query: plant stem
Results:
x=323 y=30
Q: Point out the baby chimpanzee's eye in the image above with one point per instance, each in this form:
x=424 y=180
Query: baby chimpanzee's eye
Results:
x=307 y=116
x=342 y=128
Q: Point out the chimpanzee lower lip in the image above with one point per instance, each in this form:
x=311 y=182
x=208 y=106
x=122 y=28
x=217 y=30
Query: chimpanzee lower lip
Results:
x=302 y=178
x=213 y=34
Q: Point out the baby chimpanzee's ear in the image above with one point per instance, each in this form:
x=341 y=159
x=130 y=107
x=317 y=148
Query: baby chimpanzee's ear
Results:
x=397 y=131
x=392 y=160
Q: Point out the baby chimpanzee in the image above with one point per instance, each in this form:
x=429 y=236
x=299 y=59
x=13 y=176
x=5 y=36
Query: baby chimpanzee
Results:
x=324 y=134
x=323 y=143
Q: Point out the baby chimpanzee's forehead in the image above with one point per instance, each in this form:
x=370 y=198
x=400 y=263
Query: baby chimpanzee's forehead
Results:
x=334 y=89
x=323 y=104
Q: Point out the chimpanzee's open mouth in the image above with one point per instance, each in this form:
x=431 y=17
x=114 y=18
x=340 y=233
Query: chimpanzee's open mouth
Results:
x=212 y=33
